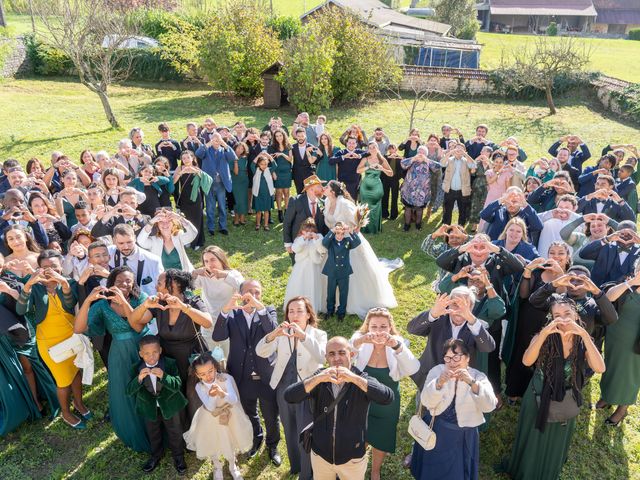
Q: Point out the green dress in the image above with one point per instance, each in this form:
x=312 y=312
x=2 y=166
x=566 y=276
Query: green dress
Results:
x=539 y=455
x=264 y=201
x=123 y=354
x=383 y=419
x=240 y=186
x=171 y=259
x=283 y=168
x=324 y=170
x=478 y=194
x=69 y=212
x=16 y=401
x=371 y=192
x=621 y=380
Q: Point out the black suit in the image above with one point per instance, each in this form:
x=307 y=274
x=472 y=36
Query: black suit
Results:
x=251 y=372
x=302 y=167
x=439 y=331
x=297 y=212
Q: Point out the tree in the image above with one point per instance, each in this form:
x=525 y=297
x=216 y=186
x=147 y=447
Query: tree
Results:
x=538 y=66
x=91 y=33
x=3 y=21
x=364 y=64
x=306 y=73
x=415 y=101
x=238 y=47
x=460 y=14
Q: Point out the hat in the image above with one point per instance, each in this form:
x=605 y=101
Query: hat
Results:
x=311 y=181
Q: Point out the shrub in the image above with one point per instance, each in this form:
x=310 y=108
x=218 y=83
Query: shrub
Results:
x=285 y=27
x=552 y=29
x=634 y=34
x=238 y=47
x=181 y=48
x=363 y=61
x=629 y=101
x=500 y=78
x=147 y=64
x=306 y=74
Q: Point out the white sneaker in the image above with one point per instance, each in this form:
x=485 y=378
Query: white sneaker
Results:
x=235 y=471
x=217 y=474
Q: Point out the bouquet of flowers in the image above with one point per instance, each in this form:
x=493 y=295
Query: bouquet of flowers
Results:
x=362 y=215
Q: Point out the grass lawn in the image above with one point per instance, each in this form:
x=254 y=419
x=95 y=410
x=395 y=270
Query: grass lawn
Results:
x=39 y=116
x=609 y=56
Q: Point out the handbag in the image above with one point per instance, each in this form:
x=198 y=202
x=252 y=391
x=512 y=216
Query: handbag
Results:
x=422 y=433
x=563 y=411
x=66 y=349
x=306 y=435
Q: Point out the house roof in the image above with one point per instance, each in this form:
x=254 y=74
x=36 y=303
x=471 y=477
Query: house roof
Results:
x=618 y=12
x=385 y=18
x=579 y=8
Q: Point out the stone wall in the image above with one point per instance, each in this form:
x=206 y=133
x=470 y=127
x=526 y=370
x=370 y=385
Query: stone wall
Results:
x=17 y=61
x=604 y=87
x=452 y=81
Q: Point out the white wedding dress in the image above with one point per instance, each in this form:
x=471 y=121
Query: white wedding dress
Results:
x=369 y=284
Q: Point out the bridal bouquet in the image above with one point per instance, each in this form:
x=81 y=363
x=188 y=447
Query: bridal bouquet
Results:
x=362 y=215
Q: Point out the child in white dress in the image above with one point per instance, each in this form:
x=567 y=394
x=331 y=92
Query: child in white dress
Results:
x=306 y=278
x=220 y=428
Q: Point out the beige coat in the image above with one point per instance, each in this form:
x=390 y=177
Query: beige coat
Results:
x=465 y=174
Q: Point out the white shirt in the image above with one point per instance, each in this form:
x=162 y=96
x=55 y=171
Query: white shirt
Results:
x=455 y=329
x=302 y=149
x=622 y=256
x=247 y=316
x=154 y=378
x=551 y=230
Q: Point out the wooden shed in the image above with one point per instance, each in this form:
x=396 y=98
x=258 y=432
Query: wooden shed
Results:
x=274 y=94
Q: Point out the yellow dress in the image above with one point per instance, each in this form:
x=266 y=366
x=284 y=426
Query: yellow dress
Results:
x=56 y=327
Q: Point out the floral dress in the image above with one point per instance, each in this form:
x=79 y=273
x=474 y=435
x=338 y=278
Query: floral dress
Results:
x=416 y=188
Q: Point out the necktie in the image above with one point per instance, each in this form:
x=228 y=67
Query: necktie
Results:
x=124 y=260
x=313 y=209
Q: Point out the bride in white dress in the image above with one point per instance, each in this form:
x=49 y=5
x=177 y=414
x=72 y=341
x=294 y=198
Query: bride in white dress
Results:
x=369 y=284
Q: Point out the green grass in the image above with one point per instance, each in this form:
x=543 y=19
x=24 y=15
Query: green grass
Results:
x=39 y=116
x=609 y=56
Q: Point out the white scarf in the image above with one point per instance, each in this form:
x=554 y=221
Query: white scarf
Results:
x=255 y=189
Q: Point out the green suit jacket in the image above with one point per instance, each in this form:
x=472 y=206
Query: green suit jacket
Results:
x=170 y=399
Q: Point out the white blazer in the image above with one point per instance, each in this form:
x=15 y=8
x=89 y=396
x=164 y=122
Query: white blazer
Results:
x=311 y=353
x=469 y=406
x=155 y=244
x=401 y=364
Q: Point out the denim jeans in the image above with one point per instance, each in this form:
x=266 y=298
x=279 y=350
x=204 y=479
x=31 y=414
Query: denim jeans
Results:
x=217 y=194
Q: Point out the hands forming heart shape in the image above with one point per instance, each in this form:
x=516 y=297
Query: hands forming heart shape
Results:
x=164 y=301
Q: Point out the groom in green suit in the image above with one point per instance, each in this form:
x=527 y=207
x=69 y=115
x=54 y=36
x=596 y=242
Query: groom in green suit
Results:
x=155 y=384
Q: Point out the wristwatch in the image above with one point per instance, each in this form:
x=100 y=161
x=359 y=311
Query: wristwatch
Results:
x=396 y=346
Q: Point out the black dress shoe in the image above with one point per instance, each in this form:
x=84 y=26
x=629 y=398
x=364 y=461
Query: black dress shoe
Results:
x=181 y=466
x=280 y=216
x=254 y=450
x=406 y=227
x=418 y=226
x=212 y=233
x=275 y=456
x=340 y=317
x=326 y=316
x=224 y=232
x=150 y=465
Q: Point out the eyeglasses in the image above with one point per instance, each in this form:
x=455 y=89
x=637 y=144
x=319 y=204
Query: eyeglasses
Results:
x=452 y=358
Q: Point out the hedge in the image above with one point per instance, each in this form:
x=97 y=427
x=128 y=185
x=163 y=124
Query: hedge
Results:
x=561 y=84
x=147 y=63
x=634 y=34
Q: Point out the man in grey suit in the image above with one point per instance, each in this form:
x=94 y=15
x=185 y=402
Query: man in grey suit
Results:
x=301 y=207
x=450 y=317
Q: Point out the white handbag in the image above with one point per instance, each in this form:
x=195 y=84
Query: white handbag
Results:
x=66 y=349
x=422 y=433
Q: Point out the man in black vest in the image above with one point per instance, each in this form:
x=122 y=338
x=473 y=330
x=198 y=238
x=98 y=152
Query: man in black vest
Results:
x=347 y=161
x=304 y=159
x=301 y=207
x=245 y=326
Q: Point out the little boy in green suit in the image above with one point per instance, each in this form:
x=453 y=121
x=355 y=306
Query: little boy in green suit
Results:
x=338 y=266
x=155 y=384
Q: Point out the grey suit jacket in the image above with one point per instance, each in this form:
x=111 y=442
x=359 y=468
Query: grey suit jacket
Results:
x=439 y=331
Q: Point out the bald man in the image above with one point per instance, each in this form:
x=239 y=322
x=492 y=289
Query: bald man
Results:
x=342 y=393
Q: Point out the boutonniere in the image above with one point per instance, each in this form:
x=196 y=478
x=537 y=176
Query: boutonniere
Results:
x=320 y=204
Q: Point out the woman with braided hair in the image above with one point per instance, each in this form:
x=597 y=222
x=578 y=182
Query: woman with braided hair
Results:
x=561 y=352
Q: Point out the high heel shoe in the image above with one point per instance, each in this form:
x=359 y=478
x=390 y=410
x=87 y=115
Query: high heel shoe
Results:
x=610 y=423
x=79 y=425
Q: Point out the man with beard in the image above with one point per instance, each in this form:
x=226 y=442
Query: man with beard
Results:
x=305 y=155
x=512 y=204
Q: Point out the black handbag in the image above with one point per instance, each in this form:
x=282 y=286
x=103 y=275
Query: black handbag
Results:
x=306 y=435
